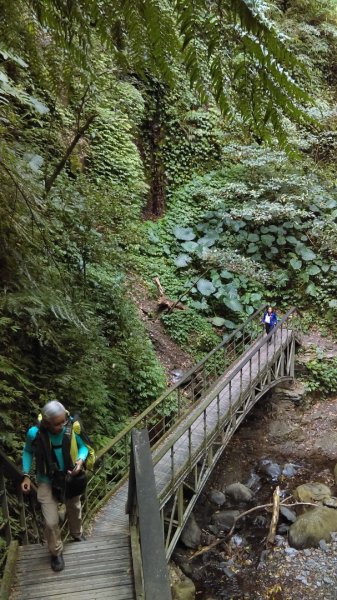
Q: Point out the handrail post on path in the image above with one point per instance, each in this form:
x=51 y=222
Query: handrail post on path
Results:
x=147 y=536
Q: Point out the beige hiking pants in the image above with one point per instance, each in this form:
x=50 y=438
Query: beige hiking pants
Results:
x=49 y=508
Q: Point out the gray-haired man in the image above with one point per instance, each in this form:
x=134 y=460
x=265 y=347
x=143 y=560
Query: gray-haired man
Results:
x=59 y=453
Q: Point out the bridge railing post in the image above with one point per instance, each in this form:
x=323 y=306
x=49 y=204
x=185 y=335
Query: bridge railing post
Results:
x=147 y=539
x=4 y=507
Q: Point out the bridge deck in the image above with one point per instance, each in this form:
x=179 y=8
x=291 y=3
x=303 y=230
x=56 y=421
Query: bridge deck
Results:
x=101 y=568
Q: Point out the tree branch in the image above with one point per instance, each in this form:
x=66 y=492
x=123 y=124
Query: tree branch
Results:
x=49 y=182
x=247 y=512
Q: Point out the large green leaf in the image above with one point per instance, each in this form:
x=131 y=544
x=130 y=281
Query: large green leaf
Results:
x=296 y=264
x=233 y=304
x=182 y=260
x=218 y=321
x=311 y=290
x=205 y=287
x=313 y=270
x=306 y=253
x=226 y=274
x=184 y=233
x=189 y=246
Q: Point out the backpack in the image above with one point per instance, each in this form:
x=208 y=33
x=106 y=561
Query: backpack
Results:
x=76 y=427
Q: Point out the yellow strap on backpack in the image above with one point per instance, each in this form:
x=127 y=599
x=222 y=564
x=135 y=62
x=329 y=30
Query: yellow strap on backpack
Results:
x=91 y=458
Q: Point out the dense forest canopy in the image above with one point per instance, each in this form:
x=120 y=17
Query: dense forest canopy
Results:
x=194 y=142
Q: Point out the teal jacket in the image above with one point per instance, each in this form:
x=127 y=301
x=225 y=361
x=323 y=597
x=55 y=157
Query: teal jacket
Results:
x=55 y=440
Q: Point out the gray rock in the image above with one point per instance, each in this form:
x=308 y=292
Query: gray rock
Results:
x=227 y=571
x=327 y=444
x=283 y=528
x=254 y=482
x=279 y=540
x=323 y=546
x=288 y=514
x=224 y=520
x=237 y=540
x=289 y=470
x=290 y=551
x=294 y=392
x=280 y=429
x=217 y=498
x=307 y=552
x=310 y=562
x=191 y=534
x=239 y=492
x=260 y=521
x=313 y=526
x=176 y=375
x=272 y=470
x=213 y=529
x=330 y=502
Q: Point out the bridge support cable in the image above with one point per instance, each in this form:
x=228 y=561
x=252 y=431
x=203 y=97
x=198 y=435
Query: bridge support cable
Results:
x=146 y=528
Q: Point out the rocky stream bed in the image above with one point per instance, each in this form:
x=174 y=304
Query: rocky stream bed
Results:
x=287 y=440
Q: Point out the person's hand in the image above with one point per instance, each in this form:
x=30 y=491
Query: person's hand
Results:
x=77 y=468
x=25 y=485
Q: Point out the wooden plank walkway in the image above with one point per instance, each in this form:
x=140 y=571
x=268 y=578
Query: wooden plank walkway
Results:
x=95 y=570
x=101 y=567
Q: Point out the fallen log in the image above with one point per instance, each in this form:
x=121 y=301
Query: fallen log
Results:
x=165 y=303
x=275 y=517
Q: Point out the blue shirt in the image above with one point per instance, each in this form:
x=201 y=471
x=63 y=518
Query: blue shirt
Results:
x=55 y=440
x=273 y=319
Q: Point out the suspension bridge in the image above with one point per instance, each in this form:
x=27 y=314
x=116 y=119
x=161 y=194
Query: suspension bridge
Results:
x=149 y=477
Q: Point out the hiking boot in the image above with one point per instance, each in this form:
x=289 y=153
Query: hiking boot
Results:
x=57 y=562
x=79 y=538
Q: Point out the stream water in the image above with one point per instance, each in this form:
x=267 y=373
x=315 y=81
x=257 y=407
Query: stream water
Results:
x=278 y=444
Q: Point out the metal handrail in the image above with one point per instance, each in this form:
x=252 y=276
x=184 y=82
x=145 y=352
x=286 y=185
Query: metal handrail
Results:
x=19 y=519
x=169 y=409
x=166 y=447
x=113 y=464
x=190 y=453
x=185 y=379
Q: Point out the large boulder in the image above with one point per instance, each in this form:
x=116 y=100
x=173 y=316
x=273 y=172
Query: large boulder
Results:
x=217 y=498
x=224 y=519
x=238 y=492
x=182 y=587
x=313 y=526
x=312 y=492
x=183 y=590
x=294 y=392
x=191 y=534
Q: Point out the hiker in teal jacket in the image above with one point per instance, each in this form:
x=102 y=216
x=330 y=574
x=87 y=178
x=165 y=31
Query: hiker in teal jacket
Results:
x=59 y=455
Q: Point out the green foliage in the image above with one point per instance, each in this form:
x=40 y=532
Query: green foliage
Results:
x=230 y=41
x=322 y=375
x=191 y=331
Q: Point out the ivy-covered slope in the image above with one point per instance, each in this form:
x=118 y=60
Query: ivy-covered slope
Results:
x=107 y=170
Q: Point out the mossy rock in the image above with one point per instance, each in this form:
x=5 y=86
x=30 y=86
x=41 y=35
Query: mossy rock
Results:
x=313 y=526
x=312 y=492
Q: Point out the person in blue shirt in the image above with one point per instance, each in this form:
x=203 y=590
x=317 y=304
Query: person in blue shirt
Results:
x=59 y=455
x=269 y=319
